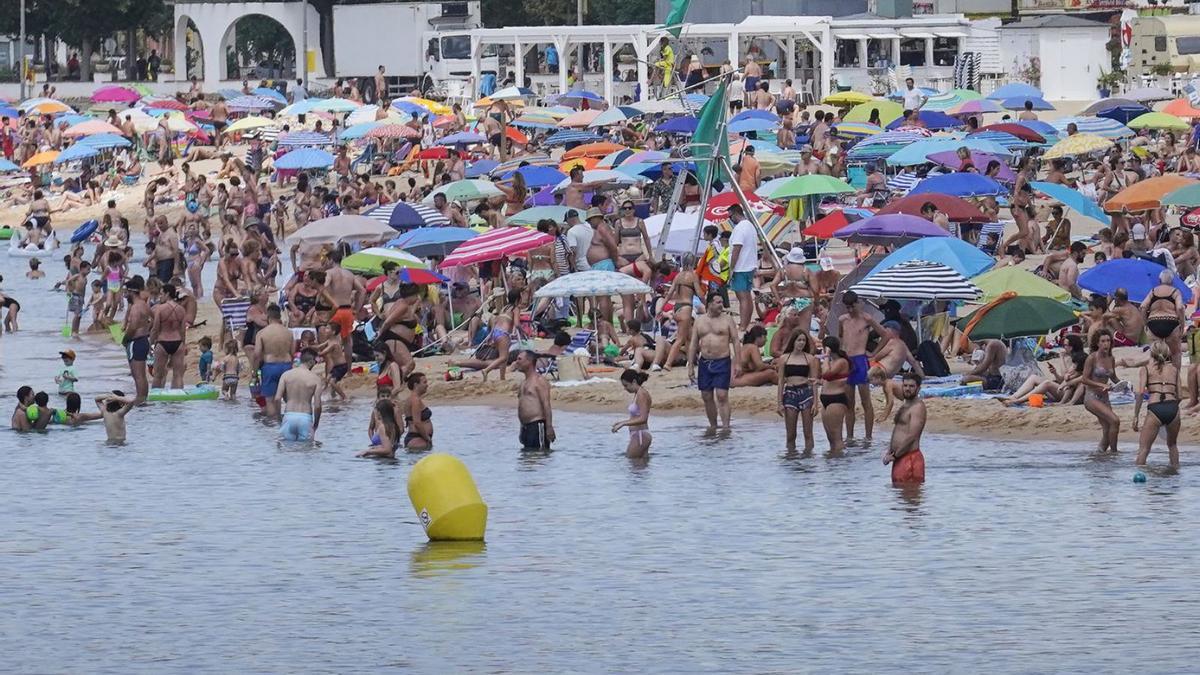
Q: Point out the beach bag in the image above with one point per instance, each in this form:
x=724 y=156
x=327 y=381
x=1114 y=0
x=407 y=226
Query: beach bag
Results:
x=932 y=361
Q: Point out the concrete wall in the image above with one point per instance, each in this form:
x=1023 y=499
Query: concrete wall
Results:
x=214 y=22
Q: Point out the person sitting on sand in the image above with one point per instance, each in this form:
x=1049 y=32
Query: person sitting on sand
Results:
x=887 y=363
x=987 y=371
x=1056 y=389
x=639 y=348
x=750 y=370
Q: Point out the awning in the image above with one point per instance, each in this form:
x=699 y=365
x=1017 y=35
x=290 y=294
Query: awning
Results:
x=883 y=36
x=917 y=34
x=950 y=34
x=849 y=36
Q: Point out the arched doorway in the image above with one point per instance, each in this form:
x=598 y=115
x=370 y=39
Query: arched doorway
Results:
x=189 y=49
x=257 y=47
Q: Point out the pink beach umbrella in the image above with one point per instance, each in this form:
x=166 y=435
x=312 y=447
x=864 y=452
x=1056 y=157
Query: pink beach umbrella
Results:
x=976 y=107
x=91 y=128
x=115 y=94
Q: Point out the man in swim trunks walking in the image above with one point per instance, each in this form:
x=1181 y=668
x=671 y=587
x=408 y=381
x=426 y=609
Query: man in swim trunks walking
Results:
x=904 y=451
x=533 y=404
x=166 y=251
x=300 y=391
x=347 y=291
x=854 y=327
x=273 y=357
x=138 y=320
x=713 y=336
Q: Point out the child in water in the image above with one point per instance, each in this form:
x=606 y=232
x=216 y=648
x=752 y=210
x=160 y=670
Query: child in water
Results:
x=333 y=352
x=206 y=358
x=99 y=307
x=231 y=370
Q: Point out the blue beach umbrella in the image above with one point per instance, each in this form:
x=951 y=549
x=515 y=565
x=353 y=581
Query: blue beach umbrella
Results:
x=410 y=108
x=463 y=138
x=1044 y=128
x=1123 y=113
x=685 y=125
x=918 y=153
x=76 y=152
x=403 y=216
x=1015 y=90
x=1097 y=126
x=751 y=124
x=428 y=241
x=1018 y=103
x=1135 y=275
x=755 y=115
x=567 y=136
x=6 y=166
x=305 y=158
x=959 y=185
x=577 y=96
x=357 y=131
x=1072 y=199
x=102 y=141
x=932 y=119
x=267 y=92
x=538 y=176
x=952 y=252
x=481 y=168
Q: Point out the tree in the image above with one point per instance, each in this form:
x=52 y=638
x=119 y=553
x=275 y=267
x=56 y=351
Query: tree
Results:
x=261 y=39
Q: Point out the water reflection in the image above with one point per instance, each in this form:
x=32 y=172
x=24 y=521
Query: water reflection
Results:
x=439 y=558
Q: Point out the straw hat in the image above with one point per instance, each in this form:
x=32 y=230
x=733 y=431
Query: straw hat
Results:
x=113 y=241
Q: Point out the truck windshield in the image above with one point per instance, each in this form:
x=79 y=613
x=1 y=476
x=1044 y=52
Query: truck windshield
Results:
x=456 y=47
x=1187 y=45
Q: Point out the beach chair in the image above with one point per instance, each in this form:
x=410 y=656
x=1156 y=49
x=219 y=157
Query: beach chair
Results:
x=233 y=316
x=582 y=339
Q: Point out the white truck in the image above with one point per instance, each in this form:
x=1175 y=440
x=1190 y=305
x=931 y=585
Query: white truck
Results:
x=422 y=44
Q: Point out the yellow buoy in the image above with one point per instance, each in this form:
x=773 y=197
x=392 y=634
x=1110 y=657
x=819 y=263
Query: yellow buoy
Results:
x=446 y=500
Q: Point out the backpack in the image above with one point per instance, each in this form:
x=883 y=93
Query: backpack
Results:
x=932 y=361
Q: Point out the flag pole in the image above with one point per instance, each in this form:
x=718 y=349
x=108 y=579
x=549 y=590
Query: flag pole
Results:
x=715 y=162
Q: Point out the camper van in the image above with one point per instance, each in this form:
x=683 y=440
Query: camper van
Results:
x=1170 y=40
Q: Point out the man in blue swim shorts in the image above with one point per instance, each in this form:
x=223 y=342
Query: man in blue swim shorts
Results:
x=713 y=338
x=743 y=262
x=273 y=357
x=854 y=327
x=300 y=393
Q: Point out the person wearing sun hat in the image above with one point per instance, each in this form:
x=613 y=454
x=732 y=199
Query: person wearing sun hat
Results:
x=794 y=286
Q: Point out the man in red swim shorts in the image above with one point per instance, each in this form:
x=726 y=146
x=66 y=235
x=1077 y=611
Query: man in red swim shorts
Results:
x=904 y=451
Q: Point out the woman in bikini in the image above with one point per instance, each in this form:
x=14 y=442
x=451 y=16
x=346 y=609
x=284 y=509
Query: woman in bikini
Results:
x=307 y=299
x=1164 y=311
x=634 y=249
x=1057 y=389
x=798 y=371
x=1099 y=374
x=1022 y=201
x=1160 y=380
x=229 y=283
x=794 y=286
x=388 y=374
x=515 y=194
x=398 y=332
x=168 y=334
x=385 y=431
x=420 y=424
x=492 y=353
x=683 y=290
x=833 y=393
x=639 y=415
x=541 y=259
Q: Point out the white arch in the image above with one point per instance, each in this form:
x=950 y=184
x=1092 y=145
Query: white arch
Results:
x=214 y=20
x=181 y=26
x=228 y=39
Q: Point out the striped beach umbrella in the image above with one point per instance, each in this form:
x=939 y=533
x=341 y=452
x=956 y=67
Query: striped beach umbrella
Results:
x=301 y=139
x=1079 y=144
x=530 y=217
x=392 y=131
x=335 y=105
x=567 y=136
x=949 y=99
x=917 y=280
x=528 y=121
x=592 y=284
x=496 y=244
x=251 y=103
x=403 y=216
x=538 y=159
x=852 y=130
x=1096 y=126
x=468 y=189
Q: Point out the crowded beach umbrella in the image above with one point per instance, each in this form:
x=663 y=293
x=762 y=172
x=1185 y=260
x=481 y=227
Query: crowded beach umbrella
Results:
x=342 y=228
x=808 y=185
x=538 y=176
x=1007 y=141
x=1023 y=133
x=960 y=185
x=888 y=111
x=981 y=160
x=852 y=130
x=367 y=113
x=468 y=190
x=1181 y=107
x=947 y=100
x=6 y=166
x=917 y=280
x=115 y=94
x=1136 y=275
x=44 y=157
x=1123 y=113
x=567 y=136
x=410 y=108
x=91 y=128
x=576 y=97
x=335 y=105
x=527 y=121
x=251 y=103
x=596 y=150
x=1096 y=126
x=1014 y=90
x=512 y=94
x=1188 y=195
x=404 y=216
x=248 y=123
x=104 y=141
x=718 y=205
x=301 y=139
x=755 y=114
x=750 y=124
x=370 y=260
x=1149 y=94
x=952 y=252
x=481 y=168
x=956 y=209
x=889 y=230
x=1107 y=103
x=1020 y=316
x=591 y=284
x=614 y=115
x=273 y=94
x=305 y=159
x=430 y=241
x=1000 y=280
x=1018 y=103
x=1072 y=199
x=162 y=103
x=496 y=244
x=685 y=125
x=885 y=145
x=918 y=153
x=530 y=217
x=1158 y=120
x=844 y=99
x=977 y=106
x=932 y=119
x=76 y=152
x=45 y=106
x=579 y=119
x=1079 y=144
x=608 y=178
x=393 y=131
x=681 y=236
x=826 y=226
x=1147 y=194
x=304 y=107
x=1044 y=128
x=538 y=159
x=462 y=138
x=614 y=159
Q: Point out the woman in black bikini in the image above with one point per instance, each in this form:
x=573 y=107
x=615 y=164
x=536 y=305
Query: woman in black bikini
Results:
x=1164 y=312
x=799 y=370
x=308 y=300
x=834 y=400
x=229 y=282
x=256 y=320
x=420 y=426
x=1022 y=200
x=398 y=332
x=168 y=333
x=1159 y=380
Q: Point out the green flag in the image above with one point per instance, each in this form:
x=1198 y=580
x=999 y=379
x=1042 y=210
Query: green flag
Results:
x=674 y=22
x=709 y=133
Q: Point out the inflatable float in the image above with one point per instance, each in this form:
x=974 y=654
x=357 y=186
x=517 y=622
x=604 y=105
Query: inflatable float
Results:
x=6 y=233
x=200 y=392
x=31 y=251
x=84 y=231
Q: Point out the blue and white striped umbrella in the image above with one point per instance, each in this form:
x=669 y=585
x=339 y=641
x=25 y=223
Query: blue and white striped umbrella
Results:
x=305 y=158
x=572 y=136
x=903 y=182
x=592 y=284
x=267 y=92
x=917 y=280
x=304 y=139
x=103 y=141
x=252 y=103
x=1097 y=126
x=1004 y=139
x=401 y=215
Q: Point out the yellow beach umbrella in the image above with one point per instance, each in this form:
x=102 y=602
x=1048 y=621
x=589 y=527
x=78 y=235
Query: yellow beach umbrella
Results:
x=888 y=111
x=847 y=98
x=41 y=158
x=247 y=123
x=1079 y=144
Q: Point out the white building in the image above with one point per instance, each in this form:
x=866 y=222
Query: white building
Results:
x=1069 y=51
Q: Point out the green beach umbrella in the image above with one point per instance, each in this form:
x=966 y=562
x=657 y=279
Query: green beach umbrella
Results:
x=807 y=186
x=888 y=112
x=1188 y=195
x=468 y=190
x=530 y=217
x=996 y=282
x=1021 y=316
x=1157 y=120
x=370 y=260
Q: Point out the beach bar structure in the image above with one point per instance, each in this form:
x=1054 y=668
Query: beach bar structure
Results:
x=815 y=52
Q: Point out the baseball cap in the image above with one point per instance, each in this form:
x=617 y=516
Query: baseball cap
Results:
x=68 y=353
x=1138 y=231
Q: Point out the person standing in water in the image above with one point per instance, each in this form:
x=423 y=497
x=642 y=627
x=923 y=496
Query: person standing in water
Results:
x=855 y=326
x=713 y=337
x=300 y=391
x=639 y=414
x=533 y=404
x=904 y=451
x=799 y=371
x=1099 y=375
x=420 y=424
x=138 y=320
x=272 y=357
x=1159 y=379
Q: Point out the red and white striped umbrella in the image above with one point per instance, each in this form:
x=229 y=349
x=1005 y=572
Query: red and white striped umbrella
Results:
x=393 y=131
x=496 y=244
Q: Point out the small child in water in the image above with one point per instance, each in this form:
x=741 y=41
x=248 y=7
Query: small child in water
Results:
x=333 y=352
x=66 y=377
x=206 y=358
x=99 y=307
x=230 y=368
x=35 y=269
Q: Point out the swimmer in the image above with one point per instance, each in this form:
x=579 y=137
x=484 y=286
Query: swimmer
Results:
x=20 y=417
x=114 y=407
x=904 y=451
x=639 y=415
x=300 y=392
x=230 y=369
x=35 y=269
x=385 y=431
x=420 y=425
